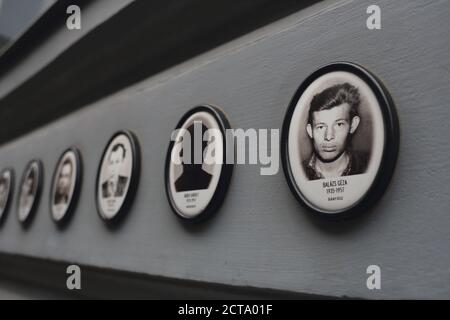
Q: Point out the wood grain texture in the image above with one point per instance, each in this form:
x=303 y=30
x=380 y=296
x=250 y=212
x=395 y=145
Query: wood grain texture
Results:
x=262 y=237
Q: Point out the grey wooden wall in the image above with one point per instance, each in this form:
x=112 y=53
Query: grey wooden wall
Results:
x=262 y=237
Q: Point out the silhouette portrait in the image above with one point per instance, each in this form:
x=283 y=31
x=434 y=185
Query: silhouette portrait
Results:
x=193 y=176
x=4 y=192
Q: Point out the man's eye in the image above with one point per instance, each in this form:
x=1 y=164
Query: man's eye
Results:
x=341 y=124
x=320 y=127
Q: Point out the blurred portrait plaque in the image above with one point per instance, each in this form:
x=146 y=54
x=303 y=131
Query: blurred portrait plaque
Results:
x=118 y=176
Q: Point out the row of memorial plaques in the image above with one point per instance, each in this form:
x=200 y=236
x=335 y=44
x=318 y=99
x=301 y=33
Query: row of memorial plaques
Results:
x=339 y=147
x=117 y=179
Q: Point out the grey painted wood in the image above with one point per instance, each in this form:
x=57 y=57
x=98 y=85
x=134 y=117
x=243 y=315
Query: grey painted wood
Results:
x=30 y=278
x=261 y=236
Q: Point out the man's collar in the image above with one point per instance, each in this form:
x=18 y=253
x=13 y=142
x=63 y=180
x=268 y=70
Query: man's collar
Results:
x=319 y=175
x=312 y=166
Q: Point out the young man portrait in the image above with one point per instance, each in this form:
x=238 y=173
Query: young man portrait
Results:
x=333 y=119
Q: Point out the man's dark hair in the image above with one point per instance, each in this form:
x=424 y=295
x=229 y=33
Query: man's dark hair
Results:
x=335 y=96
x=116 y=147
x=67 y=161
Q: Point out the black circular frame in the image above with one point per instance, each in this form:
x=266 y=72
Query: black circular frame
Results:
x=391 y=140
x=225 y=173
x=134 y=177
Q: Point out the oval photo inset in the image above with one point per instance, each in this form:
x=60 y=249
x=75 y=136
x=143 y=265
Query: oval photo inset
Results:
x=30 y=191
x=196 y=174
x=6 y=188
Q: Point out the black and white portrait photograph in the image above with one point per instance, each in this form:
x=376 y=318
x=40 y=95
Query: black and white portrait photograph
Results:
x=333 y=121
x=29 y=191
x=118 y=170
x=65 y=185
x=6 y=182
x=334 y=133
x=195 y=165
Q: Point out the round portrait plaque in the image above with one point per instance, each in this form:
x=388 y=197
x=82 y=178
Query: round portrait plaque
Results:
x=118 y=176
x=30 y=191
x=65 y=186
x=340 y=141
x=197 y=174
x=6 y=190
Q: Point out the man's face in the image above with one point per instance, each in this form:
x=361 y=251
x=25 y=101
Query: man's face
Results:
x=64 y=179
x=115 y=163
x=2 y=189
x=27 y=186
x=330 y=131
